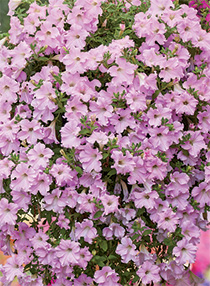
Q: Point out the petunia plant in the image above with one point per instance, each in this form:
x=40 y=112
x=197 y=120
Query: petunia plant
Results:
x=203 y=9
x=104 y=142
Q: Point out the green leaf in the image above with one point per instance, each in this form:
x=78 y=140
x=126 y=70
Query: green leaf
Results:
x=84 y=131
x=135 y=279
x=146 y=232
x=168 y=241
x=103 y=245
x=78 y=169
x=105 y=155
x=155 y=94
x=112 y=257
x=43 y=59
x=135 y=236
x=4 y=18
x=111 y=173
x=58 y=79
x=99 y=260
x=98 y=214
x=140 y=212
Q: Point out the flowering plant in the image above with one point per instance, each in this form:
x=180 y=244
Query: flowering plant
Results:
x=104 y=142
x=203 y=9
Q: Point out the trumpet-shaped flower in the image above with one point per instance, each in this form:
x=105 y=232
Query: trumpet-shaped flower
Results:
x=148 y=273
x=126 y=250
x=68 y=252
x=7 y=212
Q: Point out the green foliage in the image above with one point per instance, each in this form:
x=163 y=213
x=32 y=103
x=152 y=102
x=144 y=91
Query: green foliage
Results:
x=4 y=18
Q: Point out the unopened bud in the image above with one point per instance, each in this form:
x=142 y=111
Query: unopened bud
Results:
x=94 y=252
x=24 y=143
x=177 y=39
x=52 y=98
x=122 y=27
x=33 y=82
x=62 y=152
x=104 y=23
x=175 y=49
x=65 y=49
x=148 y=101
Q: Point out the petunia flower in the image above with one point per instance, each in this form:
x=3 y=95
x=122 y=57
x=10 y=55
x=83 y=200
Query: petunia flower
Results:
x=127 y=250
x=83 y=279
x=22 y=177
x=7 y=212
x=39 y=156
x=184 y=251
x=90 y=159
x=13 y=268
x=110 y=203
x=123 y=163
x=68 y=252
x=86 y=230
x=106 y=276
x=30 y=131
x=123 y=72
x=149 y=272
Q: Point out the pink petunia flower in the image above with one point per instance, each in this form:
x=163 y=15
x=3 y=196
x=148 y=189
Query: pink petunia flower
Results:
x=86 y=230
x=23 y=177
x=85 y=257
x=41 y=183
x=30 y=131
x=74 y=61
x=149 y=272
x=90 y=159
x=63 y=174
x=63 y=222
x=8 y=89
x=39 y=240
x=195 y=143
x=68 y=252
x=157 y=32
x=20 y=54
x=110 y=203
x=139 y=174
x=155 y=115
x=158 y=7
x=188 y=30
x=145 y=199
x=171 y=70
x=185 y=251
x=122 y=119
x=55 y=201
x=21 y=198
x=168 y=220
x=123 y=164
x=13 y=268
x=126 y=250
x=48 y=35
x=39 y=156
x=85 y=203
x=83 y=279
x=75 y=37
x=106 y=277
x=75 y=109
x=123 y=73
x=7 y=212
x=185 y=103
x=102 y=108
x=202 y=194
x=69 y=134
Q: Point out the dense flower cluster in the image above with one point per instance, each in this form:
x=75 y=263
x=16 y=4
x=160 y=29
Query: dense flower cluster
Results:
x=104 y=142
x=203 y=9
